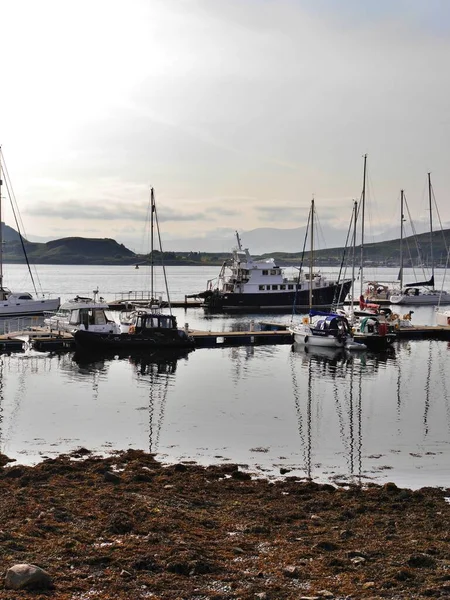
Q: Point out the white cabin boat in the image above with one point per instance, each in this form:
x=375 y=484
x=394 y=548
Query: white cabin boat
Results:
x=82 y=314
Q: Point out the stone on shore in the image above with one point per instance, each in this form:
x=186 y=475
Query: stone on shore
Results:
x=27 y=576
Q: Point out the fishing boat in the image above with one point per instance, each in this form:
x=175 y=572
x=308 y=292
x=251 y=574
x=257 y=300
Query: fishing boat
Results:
x=82 y=313
x=18 y=304
x=145 y=329
x=319 y=328
x=421 y=293
x=247 y=285
x=148 y=330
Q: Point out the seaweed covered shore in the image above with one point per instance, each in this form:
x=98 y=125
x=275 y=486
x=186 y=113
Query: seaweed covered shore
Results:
x=127 y=526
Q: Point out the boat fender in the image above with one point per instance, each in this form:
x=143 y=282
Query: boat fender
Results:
x=306 y=339
x=448 y=320
x=131 y=329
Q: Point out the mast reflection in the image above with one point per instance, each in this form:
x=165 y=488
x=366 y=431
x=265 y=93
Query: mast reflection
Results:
x=323 y=369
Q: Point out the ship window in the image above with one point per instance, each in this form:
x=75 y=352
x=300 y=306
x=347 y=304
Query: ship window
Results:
x=290 y=286
x=265 y=272
x=273 y=272
x=99 y=317
x=261 y=287
x=75 y=317
x=274 y=287
x=282 y=287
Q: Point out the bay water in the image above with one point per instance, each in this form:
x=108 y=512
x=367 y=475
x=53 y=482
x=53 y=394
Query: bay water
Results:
x=337 y=417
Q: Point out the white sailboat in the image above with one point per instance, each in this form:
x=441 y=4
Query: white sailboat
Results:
x=17 y=304
x=324 y=329
x=422 y=293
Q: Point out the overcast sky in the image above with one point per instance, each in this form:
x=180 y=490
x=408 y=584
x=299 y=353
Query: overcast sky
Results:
x=237 y=112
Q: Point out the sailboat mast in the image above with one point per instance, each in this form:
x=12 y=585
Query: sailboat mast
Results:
x=311 y=258
x=402 y=218
x=152 y=202
x=355 y=213
x=1 y=228
x=431 y=227
x=363 y=208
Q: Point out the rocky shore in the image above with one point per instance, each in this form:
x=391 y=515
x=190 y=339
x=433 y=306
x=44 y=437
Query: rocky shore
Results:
x=127 y=527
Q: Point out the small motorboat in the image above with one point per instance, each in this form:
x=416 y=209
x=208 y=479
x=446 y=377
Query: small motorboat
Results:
x=82 y=313
x=148 y=330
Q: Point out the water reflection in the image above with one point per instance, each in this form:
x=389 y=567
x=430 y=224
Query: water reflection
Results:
x=325 y=368
x=156 y=370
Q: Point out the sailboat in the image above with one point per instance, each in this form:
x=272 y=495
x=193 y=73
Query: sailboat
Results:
x=422 y=292
x=320 y=328
x=148 y=329
x=18 y=304
x=370 y=327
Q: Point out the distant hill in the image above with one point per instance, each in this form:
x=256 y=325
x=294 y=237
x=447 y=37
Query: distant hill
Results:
x=73 y=250
x=9 y=234
x=106 y=251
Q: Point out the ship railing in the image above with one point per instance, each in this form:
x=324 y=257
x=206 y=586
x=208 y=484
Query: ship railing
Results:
x=138 y=296
x=18 y=324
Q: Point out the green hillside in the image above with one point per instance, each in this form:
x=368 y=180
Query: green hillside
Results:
x=106 y=251
x=73 y=250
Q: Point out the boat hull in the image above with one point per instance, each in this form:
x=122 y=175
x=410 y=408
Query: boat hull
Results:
x=27 y=307
x=91 y=341
x=308 y=336
x=376 y=342
x=428 y=299
x=323 y=297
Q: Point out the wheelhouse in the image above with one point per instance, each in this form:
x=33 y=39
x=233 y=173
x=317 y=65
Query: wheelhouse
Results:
x=146 y=321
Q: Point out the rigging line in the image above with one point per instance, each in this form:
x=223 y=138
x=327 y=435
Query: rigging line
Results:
x=18 y=221
x=300 y=266
x=11 y=193
x=337 y=297
x=162 y=257
x=22 y=243
x=416 y=241
x=439 y=218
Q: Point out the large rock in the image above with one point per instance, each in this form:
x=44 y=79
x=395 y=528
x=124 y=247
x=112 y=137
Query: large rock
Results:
x=27 y=576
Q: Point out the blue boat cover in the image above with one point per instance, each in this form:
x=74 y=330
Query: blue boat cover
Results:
x=319 y=313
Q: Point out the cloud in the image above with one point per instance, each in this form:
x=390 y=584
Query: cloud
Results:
x=110 y=211
x=236 y=112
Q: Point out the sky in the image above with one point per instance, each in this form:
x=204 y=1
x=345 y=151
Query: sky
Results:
x=237 y=112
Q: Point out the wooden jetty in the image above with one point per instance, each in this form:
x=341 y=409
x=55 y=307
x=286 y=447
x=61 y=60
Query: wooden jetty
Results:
x=46 y=340
x=421 y=332
x=214 y=339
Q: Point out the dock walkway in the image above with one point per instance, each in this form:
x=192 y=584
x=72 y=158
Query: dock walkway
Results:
x=43 y=339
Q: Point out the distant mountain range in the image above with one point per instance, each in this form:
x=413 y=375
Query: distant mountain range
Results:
x=106 y=251
x=264 y=240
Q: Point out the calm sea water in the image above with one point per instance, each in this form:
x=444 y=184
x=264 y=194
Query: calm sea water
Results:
x=333 y=417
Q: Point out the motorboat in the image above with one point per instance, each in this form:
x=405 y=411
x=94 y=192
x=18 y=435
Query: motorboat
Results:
x=147 y=331
x=245 y=284
x=327 y=329
x=84 y=313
